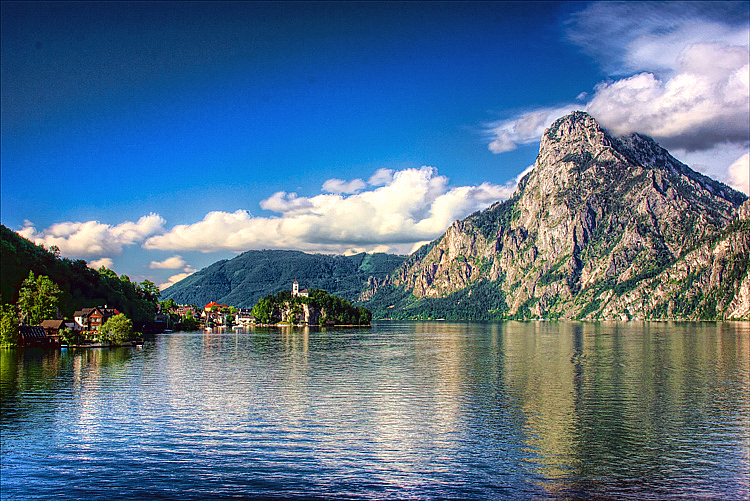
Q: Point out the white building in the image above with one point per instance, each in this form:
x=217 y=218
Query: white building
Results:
x=299 y=293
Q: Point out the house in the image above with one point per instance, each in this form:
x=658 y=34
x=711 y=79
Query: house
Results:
x=299 y=293
x=161 y=322
x=91 y=319
x=244 y=316
x=52 y=328
x=35 y=335
x=213 y=304
x=183 y=310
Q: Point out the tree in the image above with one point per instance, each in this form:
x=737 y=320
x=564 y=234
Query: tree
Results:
x=70 y=337
x=167 y=306
x=189 y=323
x=364 y=315
x=264 y=309
x=8 y=326
x=117 y=329
x=38 y=299
x=150 y=291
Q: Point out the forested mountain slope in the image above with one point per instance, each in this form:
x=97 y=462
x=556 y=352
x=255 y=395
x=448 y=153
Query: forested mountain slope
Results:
x=81 y=286
x=245 y=279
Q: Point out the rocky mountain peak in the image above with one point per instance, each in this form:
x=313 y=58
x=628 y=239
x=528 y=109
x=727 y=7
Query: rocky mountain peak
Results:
x=596 y=216
x=571 y=134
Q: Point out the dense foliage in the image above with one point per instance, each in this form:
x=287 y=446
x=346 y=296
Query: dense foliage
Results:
x=244 y=280
x=8 y=326
x=80 y=286
x=38 y=299
x=332 y=309
x=117 y=329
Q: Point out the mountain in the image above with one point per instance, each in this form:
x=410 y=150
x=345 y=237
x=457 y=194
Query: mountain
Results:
x=602 y=227
x=245 y=279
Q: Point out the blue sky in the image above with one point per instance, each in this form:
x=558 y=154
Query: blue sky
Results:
x=157 y=138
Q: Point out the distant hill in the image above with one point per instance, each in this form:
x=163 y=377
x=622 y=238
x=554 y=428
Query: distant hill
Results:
x=245 y=279
x=601 y=228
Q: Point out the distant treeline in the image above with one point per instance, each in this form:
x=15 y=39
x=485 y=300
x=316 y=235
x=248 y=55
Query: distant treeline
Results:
x=82 y=287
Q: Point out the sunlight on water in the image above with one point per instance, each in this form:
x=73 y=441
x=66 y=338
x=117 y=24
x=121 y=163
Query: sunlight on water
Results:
x=515 y=410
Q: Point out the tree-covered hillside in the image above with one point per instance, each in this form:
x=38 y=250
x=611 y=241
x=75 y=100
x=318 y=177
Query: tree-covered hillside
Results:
x=81 y=286
x=244 y=280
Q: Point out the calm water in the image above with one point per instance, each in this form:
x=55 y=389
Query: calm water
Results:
x=405 y=410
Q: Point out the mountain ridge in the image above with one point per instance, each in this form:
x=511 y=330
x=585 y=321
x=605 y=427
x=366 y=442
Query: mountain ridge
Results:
x=595 y=219
x=254 y=274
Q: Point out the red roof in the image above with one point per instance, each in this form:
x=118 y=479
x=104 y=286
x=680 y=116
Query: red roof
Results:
x=214 y=303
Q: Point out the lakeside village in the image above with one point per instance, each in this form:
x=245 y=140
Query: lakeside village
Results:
x=104 y=326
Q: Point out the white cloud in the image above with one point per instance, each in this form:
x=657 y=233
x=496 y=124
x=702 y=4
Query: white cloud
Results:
x=525 y=128
x=92 y=238
x=98 y=263
x=282 y=201
x=171 y=263
x=739 y=174
x=713 y=162
x=341 y=186
x=414 y=205
x=174 y=279
x=688 y=85
x=381 y=177
x=631 y=37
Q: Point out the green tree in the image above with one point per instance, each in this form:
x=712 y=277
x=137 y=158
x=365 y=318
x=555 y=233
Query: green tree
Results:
x=189 y=323
x=70 y=337
x=117 y=329
x=264 y=309
x=364 y=315
x=8 y=326
x=38 y=298
x=167 y=306
x=149 y=291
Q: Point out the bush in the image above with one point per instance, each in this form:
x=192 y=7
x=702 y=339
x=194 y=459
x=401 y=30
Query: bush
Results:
x=118 y=329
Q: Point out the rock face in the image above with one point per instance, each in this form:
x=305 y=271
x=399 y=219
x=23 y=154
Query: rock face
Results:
x=602 y=227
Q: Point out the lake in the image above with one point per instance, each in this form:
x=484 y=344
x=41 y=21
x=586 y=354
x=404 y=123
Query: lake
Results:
x=515 y=410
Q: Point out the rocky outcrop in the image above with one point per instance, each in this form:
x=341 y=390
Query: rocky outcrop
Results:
x=597 y=222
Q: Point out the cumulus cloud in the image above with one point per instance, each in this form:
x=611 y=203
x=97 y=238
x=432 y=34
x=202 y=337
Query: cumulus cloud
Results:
x=341 y=186
x=739 y=174
x=381 y=177
x=682 y=77
x=98 y=263
x=171 y=263
x=174 y=279
x=414 y=205
x=93 y=239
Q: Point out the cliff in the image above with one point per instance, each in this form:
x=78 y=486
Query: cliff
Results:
x=602 y=227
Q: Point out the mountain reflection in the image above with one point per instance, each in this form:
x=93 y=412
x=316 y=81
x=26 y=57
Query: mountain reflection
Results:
x=614 y=406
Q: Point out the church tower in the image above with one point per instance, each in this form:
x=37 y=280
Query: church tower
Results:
x=295 y=289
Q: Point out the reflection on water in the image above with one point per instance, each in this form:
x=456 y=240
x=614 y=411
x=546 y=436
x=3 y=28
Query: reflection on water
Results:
x=514 y=410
